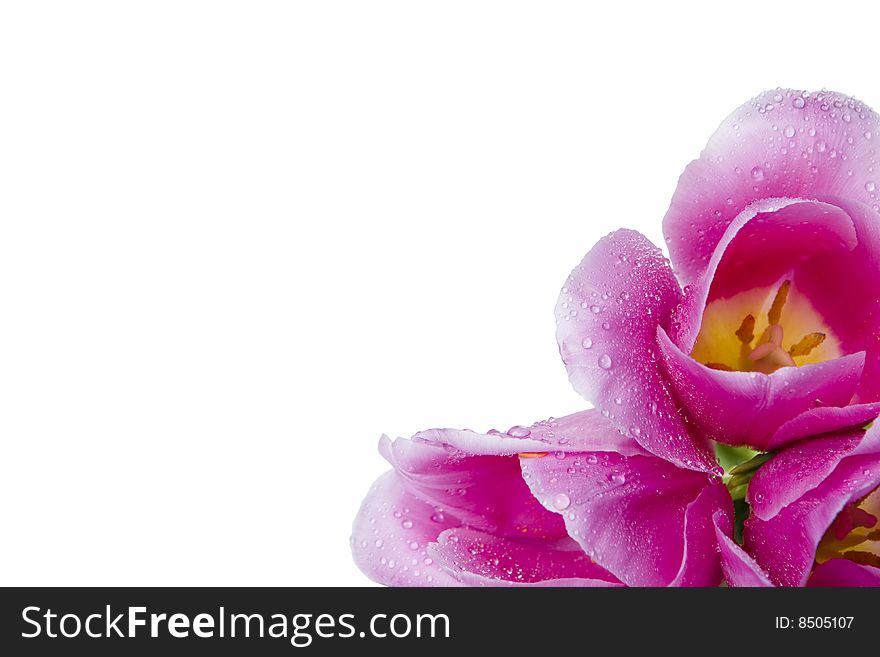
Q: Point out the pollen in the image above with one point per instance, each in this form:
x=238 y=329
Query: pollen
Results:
x=807 y=344
x=775 y=313
x=746 y=330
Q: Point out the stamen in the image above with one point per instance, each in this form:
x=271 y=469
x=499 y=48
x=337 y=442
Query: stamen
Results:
x=863 y=558
x=532 y=455
x=746 y=330
x=807 y=344
x=778 y=303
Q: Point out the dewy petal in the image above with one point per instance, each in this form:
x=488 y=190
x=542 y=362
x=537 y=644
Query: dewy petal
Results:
x=843 y=572
x=765 y=242
x=802 y=467
x=607 y=319
x=739 y=568
x=479 y=559
x=484 y=492
x=448 y=478
x=844 y=288
x=783 y=143
x=383 y=546
x=641 y=518
x=746 y=408
x=822 y=420
x=585 y=431
x=785 y=544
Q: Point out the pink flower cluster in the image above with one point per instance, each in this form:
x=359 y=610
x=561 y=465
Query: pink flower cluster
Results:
x=757 y=346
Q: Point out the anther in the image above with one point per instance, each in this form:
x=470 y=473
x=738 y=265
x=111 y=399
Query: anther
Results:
x=807 y=344
x=775 y=313
x=746 y=330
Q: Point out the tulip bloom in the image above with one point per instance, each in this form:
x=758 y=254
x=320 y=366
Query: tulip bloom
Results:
x=771 y=332
x=567 y=502
x=764 y=331
x=815 y=508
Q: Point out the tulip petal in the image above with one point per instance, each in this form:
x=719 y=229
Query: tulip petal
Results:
x=641 y=518
x=795 y=471
x=747 y=408
x=449 y=478
x=843 y=572
x=579 y=432
x=479 y=559
x=844 y=288
x=784 y=545
x=382 y=545
x=822 y=420
x=739 y=568
x=766 y=241
x=484 y=492
x=607 y=319
x=783 y=143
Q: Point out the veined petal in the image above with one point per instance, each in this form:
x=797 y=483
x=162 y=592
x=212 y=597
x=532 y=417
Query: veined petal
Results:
x=783 y=143
x=607 y=319
x=641 y=518
x=479 y=559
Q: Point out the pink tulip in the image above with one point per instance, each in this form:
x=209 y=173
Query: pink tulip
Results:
x=771 y=332
x=767 y=335
x=567 y=502
x=815 y=502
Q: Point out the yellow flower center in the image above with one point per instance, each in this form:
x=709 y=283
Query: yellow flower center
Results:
x=855 y=534
x=751 y=331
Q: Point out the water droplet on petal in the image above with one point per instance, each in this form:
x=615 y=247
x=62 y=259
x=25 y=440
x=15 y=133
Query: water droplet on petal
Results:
x=407 y=524
x=518 y=432
x=789 y=131
x=758 y=173
x=605 y=362
x=586 y=343
x=561 y=501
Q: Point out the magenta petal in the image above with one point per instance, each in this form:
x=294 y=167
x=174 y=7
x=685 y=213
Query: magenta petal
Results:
x=739 y=568
x=784 y=544
x=823 y=420
x=843 y=572
x=782 y=144
x=607 y=319
x=579 y=432
x=766 y=241
x=480 y=559
x=390 y=536
x=484 y=492
x=845 y=289
x=802 y=467
x=746 y=408
x=641 y=518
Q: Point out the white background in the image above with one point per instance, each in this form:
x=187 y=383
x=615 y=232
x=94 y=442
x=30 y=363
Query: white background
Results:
x=239 y=241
